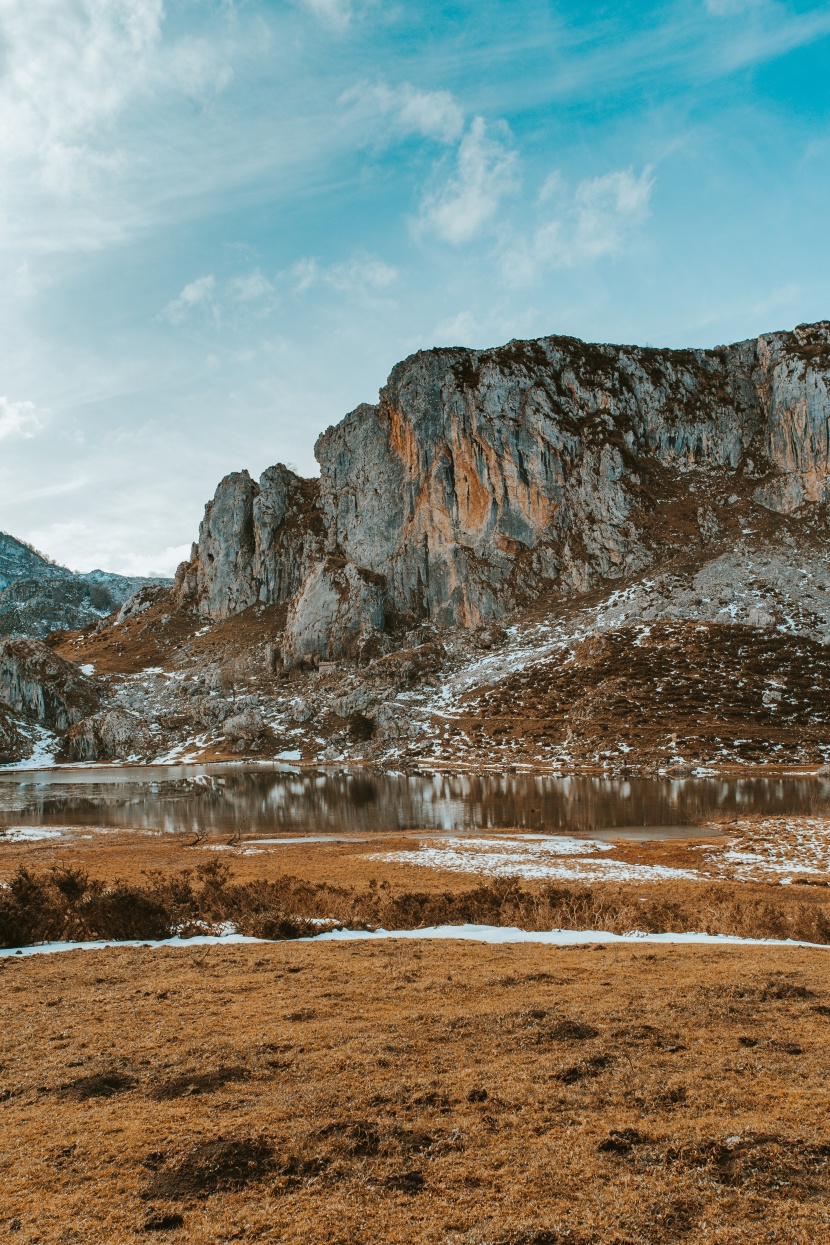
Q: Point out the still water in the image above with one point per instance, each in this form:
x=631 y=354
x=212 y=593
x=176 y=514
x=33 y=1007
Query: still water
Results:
x=279 y=801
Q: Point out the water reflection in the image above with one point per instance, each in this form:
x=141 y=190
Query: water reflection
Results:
x=214 y=798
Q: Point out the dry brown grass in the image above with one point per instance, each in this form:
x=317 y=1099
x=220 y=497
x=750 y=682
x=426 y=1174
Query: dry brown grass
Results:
x=390 y=1093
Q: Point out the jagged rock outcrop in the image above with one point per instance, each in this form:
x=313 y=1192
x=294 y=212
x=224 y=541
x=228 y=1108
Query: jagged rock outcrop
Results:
x=112 y=734
x=482 y=479
x=143 y=599
x=37 y=684
x=14 y=745
x=257 y=542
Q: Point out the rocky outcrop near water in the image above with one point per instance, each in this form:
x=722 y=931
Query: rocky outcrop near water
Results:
x=38 y=685
x=482 y=480
x=551 y=554
x=111 y=734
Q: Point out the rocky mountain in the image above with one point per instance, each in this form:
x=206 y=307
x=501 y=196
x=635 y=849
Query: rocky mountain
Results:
x=38 y=596
x=550 y=554
x=483 y=479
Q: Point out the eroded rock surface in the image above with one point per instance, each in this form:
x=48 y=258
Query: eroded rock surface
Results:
x=257 y=542
x=111 y=734
x=338 y=612
x=37 y=684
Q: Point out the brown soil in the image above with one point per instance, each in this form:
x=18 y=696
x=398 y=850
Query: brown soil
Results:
x=165 y=634
x=455 y=1094
x=652 y=692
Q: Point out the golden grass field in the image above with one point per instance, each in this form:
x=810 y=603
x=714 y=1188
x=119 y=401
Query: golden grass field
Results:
x=416 y=1092
x=440 y=1092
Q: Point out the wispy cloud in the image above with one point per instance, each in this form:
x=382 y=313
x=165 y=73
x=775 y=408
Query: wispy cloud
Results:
x=71 y=73
x=598 y=220
x=728 y=8
x=197 y=296
x=251 y=287
x=362 y=275
x=486 y=170
x=336 y=13
x=18 y=419
x=428 y=114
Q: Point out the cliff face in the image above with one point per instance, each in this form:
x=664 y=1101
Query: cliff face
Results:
x=38 y=685
x=257 y=542
x=483 y=478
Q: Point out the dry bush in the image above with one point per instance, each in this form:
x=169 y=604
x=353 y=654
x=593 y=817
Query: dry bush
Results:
x=66 y=903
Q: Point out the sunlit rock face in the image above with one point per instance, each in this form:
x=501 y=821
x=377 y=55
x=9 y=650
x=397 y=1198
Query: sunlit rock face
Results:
x=795 y=391
x=483 y=479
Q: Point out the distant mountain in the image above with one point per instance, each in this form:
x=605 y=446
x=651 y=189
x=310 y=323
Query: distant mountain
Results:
x=38 y=596
x=20 y=561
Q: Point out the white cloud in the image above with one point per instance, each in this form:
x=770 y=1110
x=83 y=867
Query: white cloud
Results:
x=198 y=294
x=728 y=8
x=17 y=419
x=365 y=275
x=429 y=114
x=68 y=69
x=598 y=220
x=606 y=208
x=250 y=288
x=486 y=171
x=73 y=75
x=336 y=13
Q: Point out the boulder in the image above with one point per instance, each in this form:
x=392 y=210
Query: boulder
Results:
x=142 y=600
x=109 y=735
x=244 y=727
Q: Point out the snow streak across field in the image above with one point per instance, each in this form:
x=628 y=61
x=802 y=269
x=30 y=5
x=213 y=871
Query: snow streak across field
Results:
x=776 y=849
x=560 y=857
x=777 y=846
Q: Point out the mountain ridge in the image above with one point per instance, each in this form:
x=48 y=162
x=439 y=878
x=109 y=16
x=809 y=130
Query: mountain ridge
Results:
x=39 y=595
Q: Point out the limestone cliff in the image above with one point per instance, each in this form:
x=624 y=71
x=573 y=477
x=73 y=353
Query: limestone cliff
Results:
x=482 y=479
x=38 y=685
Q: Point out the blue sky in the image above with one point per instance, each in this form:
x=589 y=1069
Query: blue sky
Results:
x=223 y=221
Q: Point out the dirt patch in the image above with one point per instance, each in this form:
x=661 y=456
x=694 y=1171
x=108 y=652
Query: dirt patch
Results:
x=99 y=1085
x=212 y=1167
x=162 y=1223
x=198 y=1083
x=585 y=1070
x=767 y=1162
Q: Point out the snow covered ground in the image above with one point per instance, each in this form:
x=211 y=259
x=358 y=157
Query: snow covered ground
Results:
x=777 y=848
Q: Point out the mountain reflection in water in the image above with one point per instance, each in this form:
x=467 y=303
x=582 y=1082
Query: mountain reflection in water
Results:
x=262 y=800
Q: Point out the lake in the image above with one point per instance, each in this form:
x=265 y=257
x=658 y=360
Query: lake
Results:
x=280 y=800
